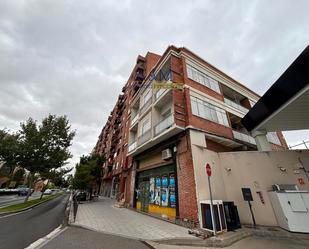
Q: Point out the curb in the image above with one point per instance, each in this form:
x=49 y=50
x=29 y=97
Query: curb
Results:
x=43 y=241
x=27 y=208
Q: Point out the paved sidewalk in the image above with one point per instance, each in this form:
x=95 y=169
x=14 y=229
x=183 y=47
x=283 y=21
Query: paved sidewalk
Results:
x=102 y=216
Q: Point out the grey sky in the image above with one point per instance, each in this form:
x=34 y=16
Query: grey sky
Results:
x=73 y=57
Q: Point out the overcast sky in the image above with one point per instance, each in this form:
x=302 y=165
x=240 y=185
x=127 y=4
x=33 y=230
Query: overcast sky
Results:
x=73 y=57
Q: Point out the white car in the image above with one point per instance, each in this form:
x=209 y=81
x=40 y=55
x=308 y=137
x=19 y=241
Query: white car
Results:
x=48 y=192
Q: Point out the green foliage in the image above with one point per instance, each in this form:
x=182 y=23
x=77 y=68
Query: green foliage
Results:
x=19 y=206
x=57 y=176
x=46 y=146
x=9 y=149
x=18 y=176
x=39 y=148
x=88 y=171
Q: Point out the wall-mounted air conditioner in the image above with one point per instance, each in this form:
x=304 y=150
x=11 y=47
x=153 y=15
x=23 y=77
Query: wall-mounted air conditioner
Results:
x=166 y=154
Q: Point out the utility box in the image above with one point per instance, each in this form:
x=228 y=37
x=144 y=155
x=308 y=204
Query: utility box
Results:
x=291 y=209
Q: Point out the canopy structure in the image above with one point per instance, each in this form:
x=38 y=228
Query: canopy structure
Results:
x=285 y=106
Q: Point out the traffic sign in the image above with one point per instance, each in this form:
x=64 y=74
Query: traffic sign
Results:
x=208 y=169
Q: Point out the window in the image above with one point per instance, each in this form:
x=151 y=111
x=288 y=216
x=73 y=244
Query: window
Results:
x=273 y=138
x=146 y=97
x=145 y=126
x=208 y=111
x=202 y=78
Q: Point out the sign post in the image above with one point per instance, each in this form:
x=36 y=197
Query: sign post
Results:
x=208 y=172
x=246 y=192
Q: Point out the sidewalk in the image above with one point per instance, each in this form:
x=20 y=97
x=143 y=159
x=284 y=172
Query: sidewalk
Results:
x=102 y=216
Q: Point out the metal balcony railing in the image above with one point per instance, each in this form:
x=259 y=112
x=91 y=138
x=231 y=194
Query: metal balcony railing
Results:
x=144 y=137
x=243 y=137
x=164 y=124
x=235 y=105
x=132 y=146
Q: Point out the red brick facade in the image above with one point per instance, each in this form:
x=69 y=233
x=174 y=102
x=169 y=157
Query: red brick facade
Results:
x=186 y=181
x=113 y=141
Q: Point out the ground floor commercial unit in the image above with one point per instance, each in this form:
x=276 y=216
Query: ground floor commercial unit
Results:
x=162 y=180
x=169 y=180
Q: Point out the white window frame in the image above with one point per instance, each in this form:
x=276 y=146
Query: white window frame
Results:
x=143 y=129
x=208 y=111
x=202 y=78
x=147 y=95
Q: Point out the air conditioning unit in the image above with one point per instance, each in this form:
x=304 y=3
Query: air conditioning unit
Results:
x=166 y=154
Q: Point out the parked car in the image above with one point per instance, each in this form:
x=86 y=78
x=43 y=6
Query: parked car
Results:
x=48 y=192
x=23 y=191
x=81 y=196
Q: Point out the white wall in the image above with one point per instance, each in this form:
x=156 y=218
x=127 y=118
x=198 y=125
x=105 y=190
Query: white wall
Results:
x=257 y=170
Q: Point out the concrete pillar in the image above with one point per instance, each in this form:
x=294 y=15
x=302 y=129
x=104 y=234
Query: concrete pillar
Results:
x=261 y=140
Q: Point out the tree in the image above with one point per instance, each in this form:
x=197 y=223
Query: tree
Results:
x=88 y=173
x=55 y=176
x=45 y=147
x=9 y=150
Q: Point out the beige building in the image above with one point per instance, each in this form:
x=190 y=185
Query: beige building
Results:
x=256 y=170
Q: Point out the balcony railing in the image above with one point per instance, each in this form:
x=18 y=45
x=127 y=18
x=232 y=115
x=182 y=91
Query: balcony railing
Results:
x=144 y=137
x=243 y=137
x=159 y=93
x=132 y=146
x=145 y=106
x=134 y=119
x=235 y=105
x=164 y=124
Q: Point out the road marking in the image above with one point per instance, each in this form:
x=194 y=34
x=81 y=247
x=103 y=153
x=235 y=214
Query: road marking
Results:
x=44 y=240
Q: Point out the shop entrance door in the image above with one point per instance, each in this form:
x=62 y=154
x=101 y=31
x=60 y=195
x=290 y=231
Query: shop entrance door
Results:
x=144 y=195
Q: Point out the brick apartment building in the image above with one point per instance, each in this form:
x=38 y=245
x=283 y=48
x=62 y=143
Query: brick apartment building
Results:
x=170 y=104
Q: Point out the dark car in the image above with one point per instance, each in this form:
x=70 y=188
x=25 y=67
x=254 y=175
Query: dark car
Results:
x=23 y=191
x=81 y=196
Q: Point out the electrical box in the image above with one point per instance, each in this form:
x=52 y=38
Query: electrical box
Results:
x=291 y=209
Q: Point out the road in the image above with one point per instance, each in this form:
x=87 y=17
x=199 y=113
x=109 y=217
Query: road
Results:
x=6 y=200
x=22 y=229
x=79 y=238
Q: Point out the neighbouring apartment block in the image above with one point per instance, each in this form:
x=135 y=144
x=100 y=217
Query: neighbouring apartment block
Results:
x=175 y=114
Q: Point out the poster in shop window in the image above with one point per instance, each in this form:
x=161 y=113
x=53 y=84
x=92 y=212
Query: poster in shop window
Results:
x=157 y=193
x=164 y=191
x=152 y=189
x=172 y=191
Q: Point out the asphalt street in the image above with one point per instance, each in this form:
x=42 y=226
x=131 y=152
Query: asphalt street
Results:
x=6 y=200
x=79 y=238
x=21 y=229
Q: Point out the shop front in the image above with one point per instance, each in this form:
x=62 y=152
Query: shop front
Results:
x=156 y=191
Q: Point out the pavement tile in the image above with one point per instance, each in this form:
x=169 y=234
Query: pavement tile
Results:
x=104 y=217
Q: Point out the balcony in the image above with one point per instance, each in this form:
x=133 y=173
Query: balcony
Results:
x=159 y=93
x=235 y=105
x=134 y=119
x=145 y=106
x=132 y=146
x=244 y=137
x=144 y=137
x=164 y=125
